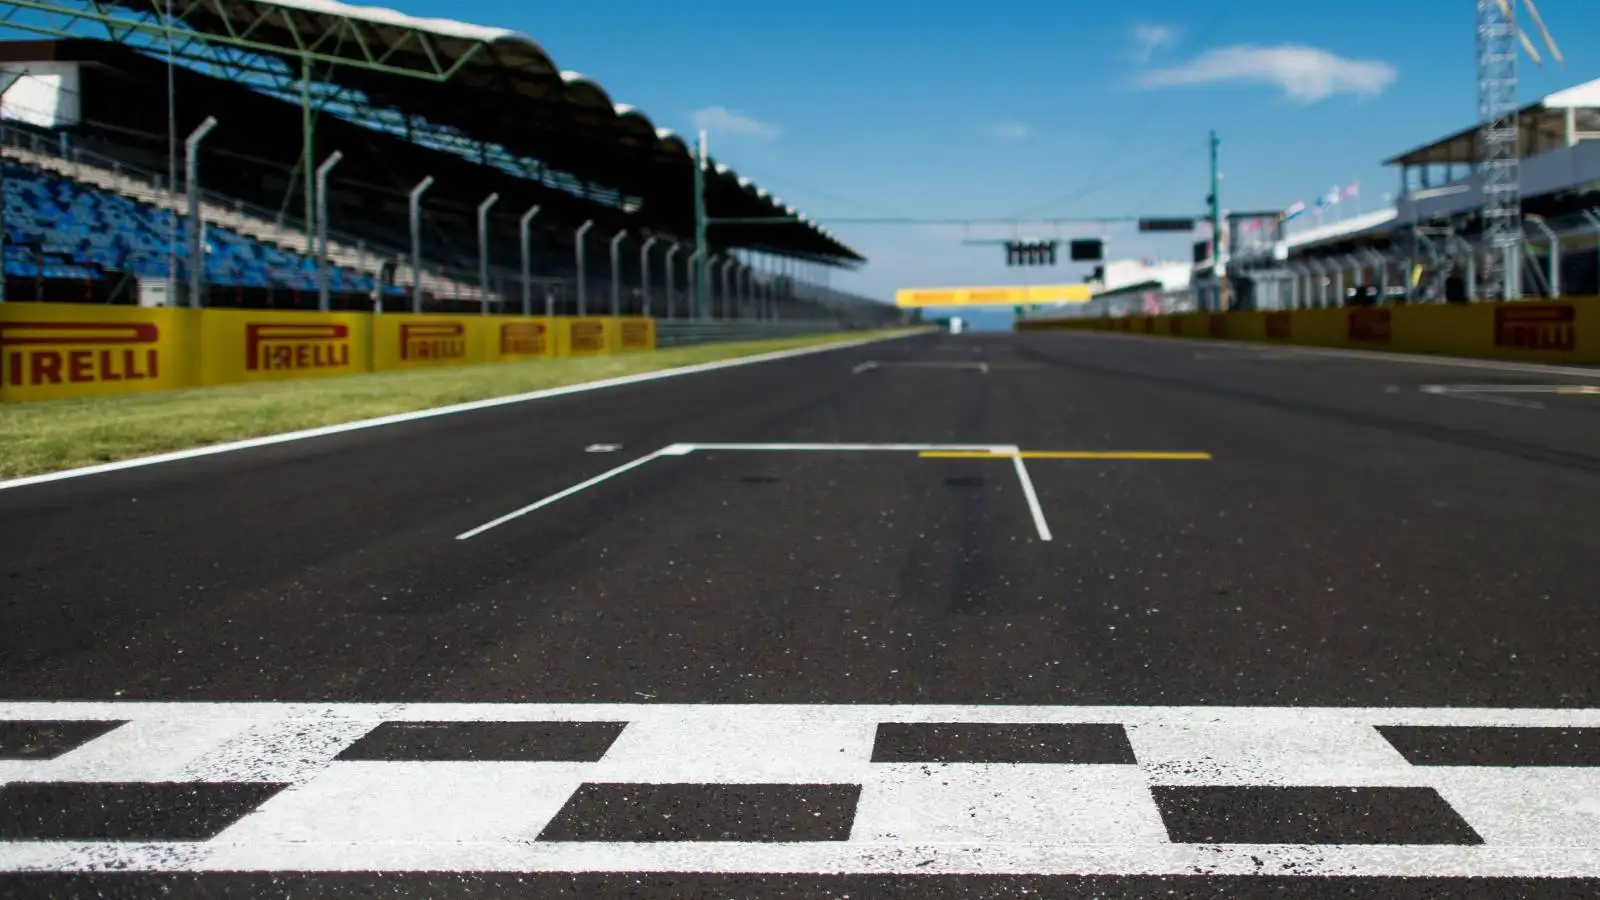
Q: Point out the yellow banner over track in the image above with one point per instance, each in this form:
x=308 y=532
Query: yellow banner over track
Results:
x=1016 y=295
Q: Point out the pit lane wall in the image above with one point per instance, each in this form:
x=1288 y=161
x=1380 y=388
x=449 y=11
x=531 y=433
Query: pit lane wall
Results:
x=51 y=351
x=1564 y=331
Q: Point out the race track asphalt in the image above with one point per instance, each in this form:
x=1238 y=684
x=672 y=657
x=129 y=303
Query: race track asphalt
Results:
x=1353 y=541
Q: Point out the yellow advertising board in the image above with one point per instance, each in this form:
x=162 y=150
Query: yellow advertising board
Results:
x=514 y=337
x=635 y=333
x=273 y=345
x=1555 y=331
x=1017 y=295
x=410 y=341
x=51 y=351
x=590 y=336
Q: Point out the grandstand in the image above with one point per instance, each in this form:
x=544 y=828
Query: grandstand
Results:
x=1420 y=249
x=93 y=212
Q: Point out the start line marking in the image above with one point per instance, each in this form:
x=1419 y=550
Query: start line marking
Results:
x=406 y=787
x=927 y=451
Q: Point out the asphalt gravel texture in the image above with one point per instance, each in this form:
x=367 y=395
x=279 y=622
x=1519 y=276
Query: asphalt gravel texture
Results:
x=1354 y=541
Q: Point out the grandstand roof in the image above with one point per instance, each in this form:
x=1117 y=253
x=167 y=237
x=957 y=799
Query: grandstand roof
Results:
x=500 y=87
x=1377 y=220
x=1542 y=125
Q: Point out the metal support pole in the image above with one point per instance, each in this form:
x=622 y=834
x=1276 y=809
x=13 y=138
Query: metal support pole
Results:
x=671 y=252
x=701 y=250
x=415 y=211
x=644 y=274
x=583 y=287
x=727 y=292
x=523 y=241
x=744 y=291
x=1555 y=253
x=1469 y=257
x=307 y=149
x=483 y=251
x=324 y=302
x=616 y=272
x=1380 y=271
x=1217 y=243
x=191 y=187
x=1593 y=220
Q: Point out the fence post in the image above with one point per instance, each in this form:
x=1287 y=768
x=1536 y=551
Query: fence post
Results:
x=644 y=274
x=191 y=175
x=483 y=252
x=616 y=272
x=324 y=302
x=527 y=266
x=416 y=241
x=696 y=272
x=583 y=289
x=671 y=252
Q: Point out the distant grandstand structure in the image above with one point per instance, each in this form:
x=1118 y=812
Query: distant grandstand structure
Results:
x=1428 y=246
x=534 y=190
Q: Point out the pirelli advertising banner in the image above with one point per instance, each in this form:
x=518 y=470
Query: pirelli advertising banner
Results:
x=51 y=351
x=423 y=341
x=1556 y=331
x=266 y=345
x=590 y=336
x=514 y=338
x=635 y=333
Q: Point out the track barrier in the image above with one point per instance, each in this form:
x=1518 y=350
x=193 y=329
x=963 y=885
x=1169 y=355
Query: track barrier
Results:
x=1557 y=331
x=51 y=351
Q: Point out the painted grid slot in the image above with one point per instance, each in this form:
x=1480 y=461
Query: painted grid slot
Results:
x=317 y=812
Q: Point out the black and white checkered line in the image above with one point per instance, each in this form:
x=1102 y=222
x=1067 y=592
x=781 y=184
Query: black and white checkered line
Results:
x=849 y=789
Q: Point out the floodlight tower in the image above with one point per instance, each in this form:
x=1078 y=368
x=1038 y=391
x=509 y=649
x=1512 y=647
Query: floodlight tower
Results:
x=1499 y=142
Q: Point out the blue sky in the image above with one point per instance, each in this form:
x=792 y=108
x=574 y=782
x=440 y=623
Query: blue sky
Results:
x=953 y=109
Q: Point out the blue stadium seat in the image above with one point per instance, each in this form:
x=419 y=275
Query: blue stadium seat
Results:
x=86 y=231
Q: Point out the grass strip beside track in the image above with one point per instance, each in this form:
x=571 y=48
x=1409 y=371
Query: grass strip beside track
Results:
x=63 y=434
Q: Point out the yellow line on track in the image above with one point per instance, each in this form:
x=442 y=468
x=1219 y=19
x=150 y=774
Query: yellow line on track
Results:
x=1061 y=454
x=1579 y=389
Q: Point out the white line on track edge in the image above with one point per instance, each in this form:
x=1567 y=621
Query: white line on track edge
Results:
x=472 y=406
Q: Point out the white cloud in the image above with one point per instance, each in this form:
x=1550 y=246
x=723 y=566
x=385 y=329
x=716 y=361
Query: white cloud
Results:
x=1305 y=74
x=1149 y=37
x=724 y=121
x=1009 y=130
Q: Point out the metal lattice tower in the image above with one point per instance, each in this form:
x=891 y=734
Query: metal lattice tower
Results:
x=1499 y=150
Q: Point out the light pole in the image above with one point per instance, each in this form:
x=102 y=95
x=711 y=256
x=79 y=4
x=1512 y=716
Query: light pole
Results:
x=644 y=273
x=616 y=272
x=415 y=209
x=324 y=302
x=523 y=237
x=701 y=251
x=191 y=182
x=583 y=290
x=483 y=251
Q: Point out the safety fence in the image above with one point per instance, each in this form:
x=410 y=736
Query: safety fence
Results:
x=54 y=351
x=1566 y=331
